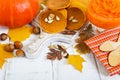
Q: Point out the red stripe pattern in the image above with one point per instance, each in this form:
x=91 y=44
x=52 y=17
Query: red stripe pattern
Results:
x=97 y=40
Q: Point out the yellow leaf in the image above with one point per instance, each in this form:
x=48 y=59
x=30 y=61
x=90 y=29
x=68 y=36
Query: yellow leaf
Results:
x=2 y=61
x=20 y=34
x=76 y=61
x=4 y=55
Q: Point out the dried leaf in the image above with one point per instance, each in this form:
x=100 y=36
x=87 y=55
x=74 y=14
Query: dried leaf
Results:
x=81 y=47
x=20 y=34
x=76 y=61
x=68 y=32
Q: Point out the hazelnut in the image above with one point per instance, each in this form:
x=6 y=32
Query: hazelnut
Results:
x=36 y=30
x=18 y=45
x=20 y=53
x=9 y=47
x=3 y=36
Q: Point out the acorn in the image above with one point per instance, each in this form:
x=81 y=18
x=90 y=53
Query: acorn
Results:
x=18 y=45
x=3 y=36
x=9 y=47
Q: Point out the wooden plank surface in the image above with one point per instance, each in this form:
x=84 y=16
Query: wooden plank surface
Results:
x=42 y=69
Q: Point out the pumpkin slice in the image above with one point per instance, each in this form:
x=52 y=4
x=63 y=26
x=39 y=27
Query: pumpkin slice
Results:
x=57 y=4
x=53 y=21
x=76 y=18
x=76 y=15
x=104 y=13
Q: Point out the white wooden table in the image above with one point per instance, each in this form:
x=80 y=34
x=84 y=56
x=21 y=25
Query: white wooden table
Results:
x=43 y=69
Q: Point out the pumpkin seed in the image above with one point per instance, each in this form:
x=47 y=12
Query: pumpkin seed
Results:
x=57 y=18
x=74 y=20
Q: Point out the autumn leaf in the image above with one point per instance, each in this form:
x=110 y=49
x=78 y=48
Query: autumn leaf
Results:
x=4 y=55
x=76 y=61
x=20 y=34
x=2 y=61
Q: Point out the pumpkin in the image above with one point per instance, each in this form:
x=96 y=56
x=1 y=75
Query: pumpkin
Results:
x=76 y=16
x=53 y=21
x=16 y=13
x=104 y=13
x=57 y=4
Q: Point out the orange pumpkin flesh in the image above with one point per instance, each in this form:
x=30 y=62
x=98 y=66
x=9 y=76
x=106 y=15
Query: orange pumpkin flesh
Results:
x=55 y=26
x=104 y=13
x=16 y=13
x=78 y=15
x=57 y=4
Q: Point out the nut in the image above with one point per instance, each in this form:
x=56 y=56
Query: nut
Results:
x=55 y=46
x=3 y=36
x=50 y=47
x=9 y=47
x=63 y=47
x=36 y=30
x=18 y=45
x=20 y=53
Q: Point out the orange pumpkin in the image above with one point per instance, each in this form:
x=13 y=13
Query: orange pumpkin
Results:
x=16 y=13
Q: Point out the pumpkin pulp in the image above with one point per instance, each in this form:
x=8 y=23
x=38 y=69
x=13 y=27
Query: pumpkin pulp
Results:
x=104 y=13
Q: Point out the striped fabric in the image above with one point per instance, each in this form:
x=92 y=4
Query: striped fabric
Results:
x=97 y=40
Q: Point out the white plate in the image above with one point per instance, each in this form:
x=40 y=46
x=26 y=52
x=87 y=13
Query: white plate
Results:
x=55 y=39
